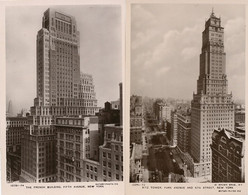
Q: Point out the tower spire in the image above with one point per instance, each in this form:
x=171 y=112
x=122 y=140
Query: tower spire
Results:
x=212 y=14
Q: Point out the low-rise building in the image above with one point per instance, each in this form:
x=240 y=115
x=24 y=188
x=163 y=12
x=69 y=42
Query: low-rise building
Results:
x=228 y=162
x=107 y=115
x=111 y=154
x=14 y=131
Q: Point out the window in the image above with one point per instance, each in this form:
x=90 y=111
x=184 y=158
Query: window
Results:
x=117 y=176
x=109 y=174
x=116 y=157
x=78 y=179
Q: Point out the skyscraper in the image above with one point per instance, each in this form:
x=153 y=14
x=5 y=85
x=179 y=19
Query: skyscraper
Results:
x=58 y=65
x=10 y=109
x=212 y=105
x=60 y=92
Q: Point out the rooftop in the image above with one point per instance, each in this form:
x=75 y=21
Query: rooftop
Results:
x=231 y=134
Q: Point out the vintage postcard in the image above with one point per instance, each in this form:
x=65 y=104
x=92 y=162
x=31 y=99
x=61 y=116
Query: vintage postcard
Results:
x=64 y=125
x=187 y=97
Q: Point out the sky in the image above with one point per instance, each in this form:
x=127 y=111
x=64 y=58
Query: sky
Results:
x=100 y=50
x=166 y=42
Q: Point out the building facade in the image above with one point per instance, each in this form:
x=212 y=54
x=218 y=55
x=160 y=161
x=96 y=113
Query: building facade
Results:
x=184 y=128
x=228 y=161
x=174 y=128
x=74 y=146
x=136 y=119
x=162 y=111
x=240 y=119
x=87 y=94
x=212 y=106
x=111 y=154
x=61 y=91
x=14 y=131
x=58 y=66
x=107 y=115
x=136 y=168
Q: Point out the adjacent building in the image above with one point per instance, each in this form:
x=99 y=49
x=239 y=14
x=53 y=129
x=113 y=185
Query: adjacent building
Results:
x=74 y=146
x=136 y=169
x=136 y=119
x=111 y=154
x=162 y=111
x=107 y=115
x=228 y=161
x=184 y=128
x=212 y=106
x=14 y=131
x=87 y=95
x=174 y=128
x=240 y=119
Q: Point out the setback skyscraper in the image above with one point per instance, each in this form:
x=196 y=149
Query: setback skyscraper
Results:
x=212 y=106
x=60 y=92
x=58 y=66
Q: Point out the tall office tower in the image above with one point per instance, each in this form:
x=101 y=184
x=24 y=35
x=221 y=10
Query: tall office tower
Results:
x=58 y=78
x=212 y=106
x=60 y=92
x=58 y=66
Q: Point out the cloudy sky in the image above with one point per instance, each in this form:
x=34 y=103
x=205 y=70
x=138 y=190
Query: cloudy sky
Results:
x=166 y=44
x=100 y=50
